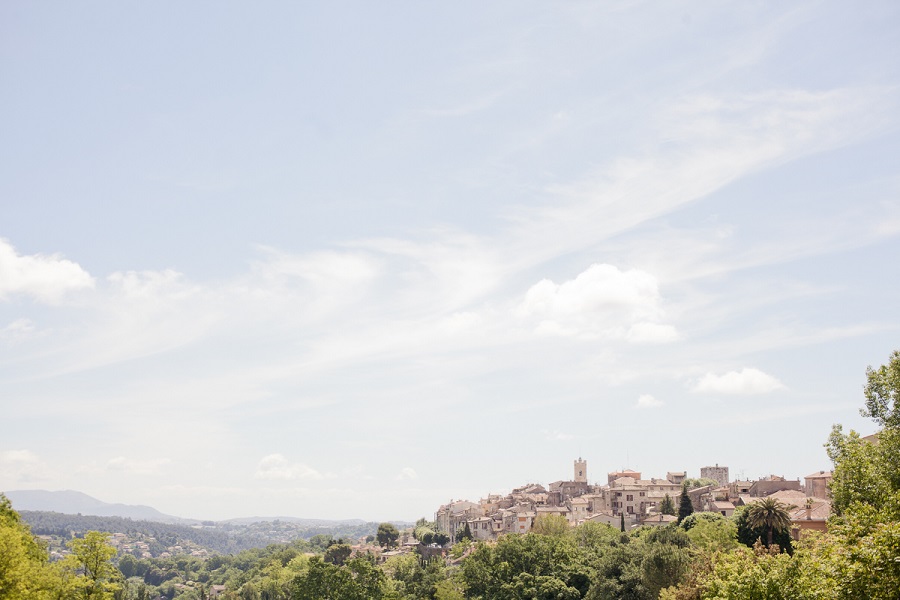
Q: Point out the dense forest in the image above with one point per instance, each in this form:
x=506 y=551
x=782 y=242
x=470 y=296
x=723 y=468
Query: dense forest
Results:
x=703 y=556
x=220 y=537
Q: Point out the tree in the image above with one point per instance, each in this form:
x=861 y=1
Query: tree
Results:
x=97 y=577
x=685 y=507
x=882 y=393
x=387 y=535
x=866 y=472
x=713 y=535
x=619 y=572
x=336 y=554
x=464 y=533
x=691 y=520
x=551 y=563
x=667 y=507
x=693 y=483
x=440 y=538
x=357 y=580
x=556 y=525
x=24 y=572
x=770 y=514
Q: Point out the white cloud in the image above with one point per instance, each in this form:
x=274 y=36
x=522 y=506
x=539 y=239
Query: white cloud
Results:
x=406 y=473
x=746 y=381
x=600 y=300
x=276 y=466
x=647 y=401
x=45 y=278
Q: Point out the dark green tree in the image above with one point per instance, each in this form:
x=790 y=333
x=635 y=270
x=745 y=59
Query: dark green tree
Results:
x=336 y=554
x=463 y=533
x=749 y=535
x=387 y=535
x=619 y=572
x=440 y=538
x=769 y=514
x=685 y=508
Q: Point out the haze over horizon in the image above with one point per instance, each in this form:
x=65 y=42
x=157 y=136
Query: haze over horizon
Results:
x=354 y=260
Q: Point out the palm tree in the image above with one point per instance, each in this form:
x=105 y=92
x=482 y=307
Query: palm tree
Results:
x=770 y=513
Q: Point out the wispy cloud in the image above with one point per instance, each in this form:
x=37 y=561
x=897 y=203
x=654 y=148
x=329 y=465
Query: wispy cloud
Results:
x=648 y=401
x=744 y=382
x=23 y=467
x=406 y=473
x=276 y=466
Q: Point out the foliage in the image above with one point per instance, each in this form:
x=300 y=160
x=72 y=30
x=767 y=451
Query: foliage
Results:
x=555 y=525
x=865 y=473
x=336 y=554
x=882 y=392
x=550 y=563
x=407 y=577
x=710 y=535
x=24 y=572
x=746 y=573
x=619 y=573
x=358 y=580
x=97 y=577
x=222 y=537
x=692 y=519
x=387 y=535
x=685 y=508
x=771 y=515
x=667 y=506
x=693 y=483
x=748 y=534
x=464 y=533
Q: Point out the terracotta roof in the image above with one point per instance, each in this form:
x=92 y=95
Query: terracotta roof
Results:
x=819 y=475
x=821 y=510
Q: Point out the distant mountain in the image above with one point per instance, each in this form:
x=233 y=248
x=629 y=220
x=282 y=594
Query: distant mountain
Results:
x=73 y=503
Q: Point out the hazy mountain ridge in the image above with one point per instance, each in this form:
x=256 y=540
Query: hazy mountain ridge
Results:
x=73 y=502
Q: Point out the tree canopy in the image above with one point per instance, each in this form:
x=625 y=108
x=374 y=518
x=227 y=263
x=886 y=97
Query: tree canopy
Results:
x=387 y=535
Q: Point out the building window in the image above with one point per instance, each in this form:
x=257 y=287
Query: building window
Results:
x=630 y=498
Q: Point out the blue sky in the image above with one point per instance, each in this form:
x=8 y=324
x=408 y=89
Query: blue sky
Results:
x=354 y=260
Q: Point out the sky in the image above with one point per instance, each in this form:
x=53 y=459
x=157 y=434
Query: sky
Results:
x=355 y=259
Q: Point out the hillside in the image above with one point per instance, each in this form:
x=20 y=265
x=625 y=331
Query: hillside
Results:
x=73 y=503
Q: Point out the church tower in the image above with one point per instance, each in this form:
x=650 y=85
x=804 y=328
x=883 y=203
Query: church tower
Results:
x=581 y=470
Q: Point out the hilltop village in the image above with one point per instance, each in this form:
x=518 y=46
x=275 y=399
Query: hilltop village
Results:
x=628 y=499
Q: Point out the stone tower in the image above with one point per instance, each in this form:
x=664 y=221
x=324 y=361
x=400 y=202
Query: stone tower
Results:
x=581 y=470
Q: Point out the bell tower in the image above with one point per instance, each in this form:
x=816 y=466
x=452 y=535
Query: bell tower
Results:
x=580 y=471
